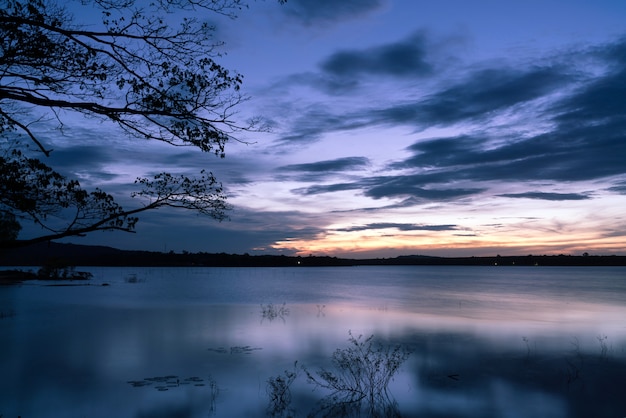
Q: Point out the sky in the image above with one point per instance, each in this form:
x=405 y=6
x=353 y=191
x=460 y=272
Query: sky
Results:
x=447 y=128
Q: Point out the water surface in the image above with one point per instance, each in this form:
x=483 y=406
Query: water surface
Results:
x=198 y=342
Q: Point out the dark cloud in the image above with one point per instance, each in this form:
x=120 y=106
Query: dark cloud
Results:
x=587 y=141
x=337 y=165
x=613 y=52
x=546 y=196
x=85 y=162
x=584 y=144
x=406 y=186
x=247 y=231
x=560 y=89
x=406 y=58
x=328 y=11
x=619 y=188
x=418 y=56
x=478 y=96
x=327 y=188
x=313 y=122
x=589 y=147
x=82 y=156
x=400 y=227
x=601 y=99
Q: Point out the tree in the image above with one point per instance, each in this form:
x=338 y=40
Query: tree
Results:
x=9 y=227
x=150 y=79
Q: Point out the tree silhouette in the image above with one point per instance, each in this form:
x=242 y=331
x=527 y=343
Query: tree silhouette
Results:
x=143 y=75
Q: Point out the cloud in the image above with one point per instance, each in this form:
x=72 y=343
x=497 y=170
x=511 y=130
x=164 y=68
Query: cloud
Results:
x=478 y=96
x=570 y=152
x=326 y=83
x=417 y=56
x=312 y=122
x=88 y=163
x=329 y=188
x=82 y=156
x=400 y=227
x=405 y=58
x=582 y=135
x=471 y=95
x=546 y=196
x=619 y=188
x=601 y=95
x=311 y=12
x=583 y=143
x=561 y=119
x=250 y=231
x=405 y=186
x=328 y=166
x=586 y=139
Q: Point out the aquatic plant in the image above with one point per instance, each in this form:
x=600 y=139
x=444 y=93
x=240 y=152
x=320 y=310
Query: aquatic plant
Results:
x=235 y=349
x=604 y=348
x=359 y=383
x=529 y=350
x=132 y=278
x=7 y=314
x=173 y=382
x=214 y=392
x=271 y=311
x=572 y=372
x=279 y=391
x=58 y=271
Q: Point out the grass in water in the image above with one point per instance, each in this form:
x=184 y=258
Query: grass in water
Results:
x=359 y=383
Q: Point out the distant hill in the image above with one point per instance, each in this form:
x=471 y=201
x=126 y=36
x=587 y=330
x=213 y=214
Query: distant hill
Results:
x=42 y=253
x=86 y=255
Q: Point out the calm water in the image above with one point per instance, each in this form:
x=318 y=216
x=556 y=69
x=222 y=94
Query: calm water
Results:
x=198 y=342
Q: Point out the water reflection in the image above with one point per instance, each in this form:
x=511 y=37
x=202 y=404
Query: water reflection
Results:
x=359 y=385
x=71 y=351
x=474 y=378
x=279 y=392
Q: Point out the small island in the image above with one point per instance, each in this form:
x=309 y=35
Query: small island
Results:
x=47 y=272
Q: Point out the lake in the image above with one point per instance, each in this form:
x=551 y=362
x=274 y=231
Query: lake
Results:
x=239 y=342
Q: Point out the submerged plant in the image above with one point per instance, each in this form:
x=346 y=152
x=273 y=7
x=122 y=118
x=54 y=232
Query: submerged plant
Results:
x=604 y=348
x=572 y=372
x=7 y=314
x=132 y=278
x=214 y=391
x=361 y=379
x=529 y=351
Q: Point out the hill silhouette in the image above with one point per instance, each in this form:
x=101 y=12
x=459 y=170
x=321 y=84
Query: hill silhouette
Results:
x=86 y=255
